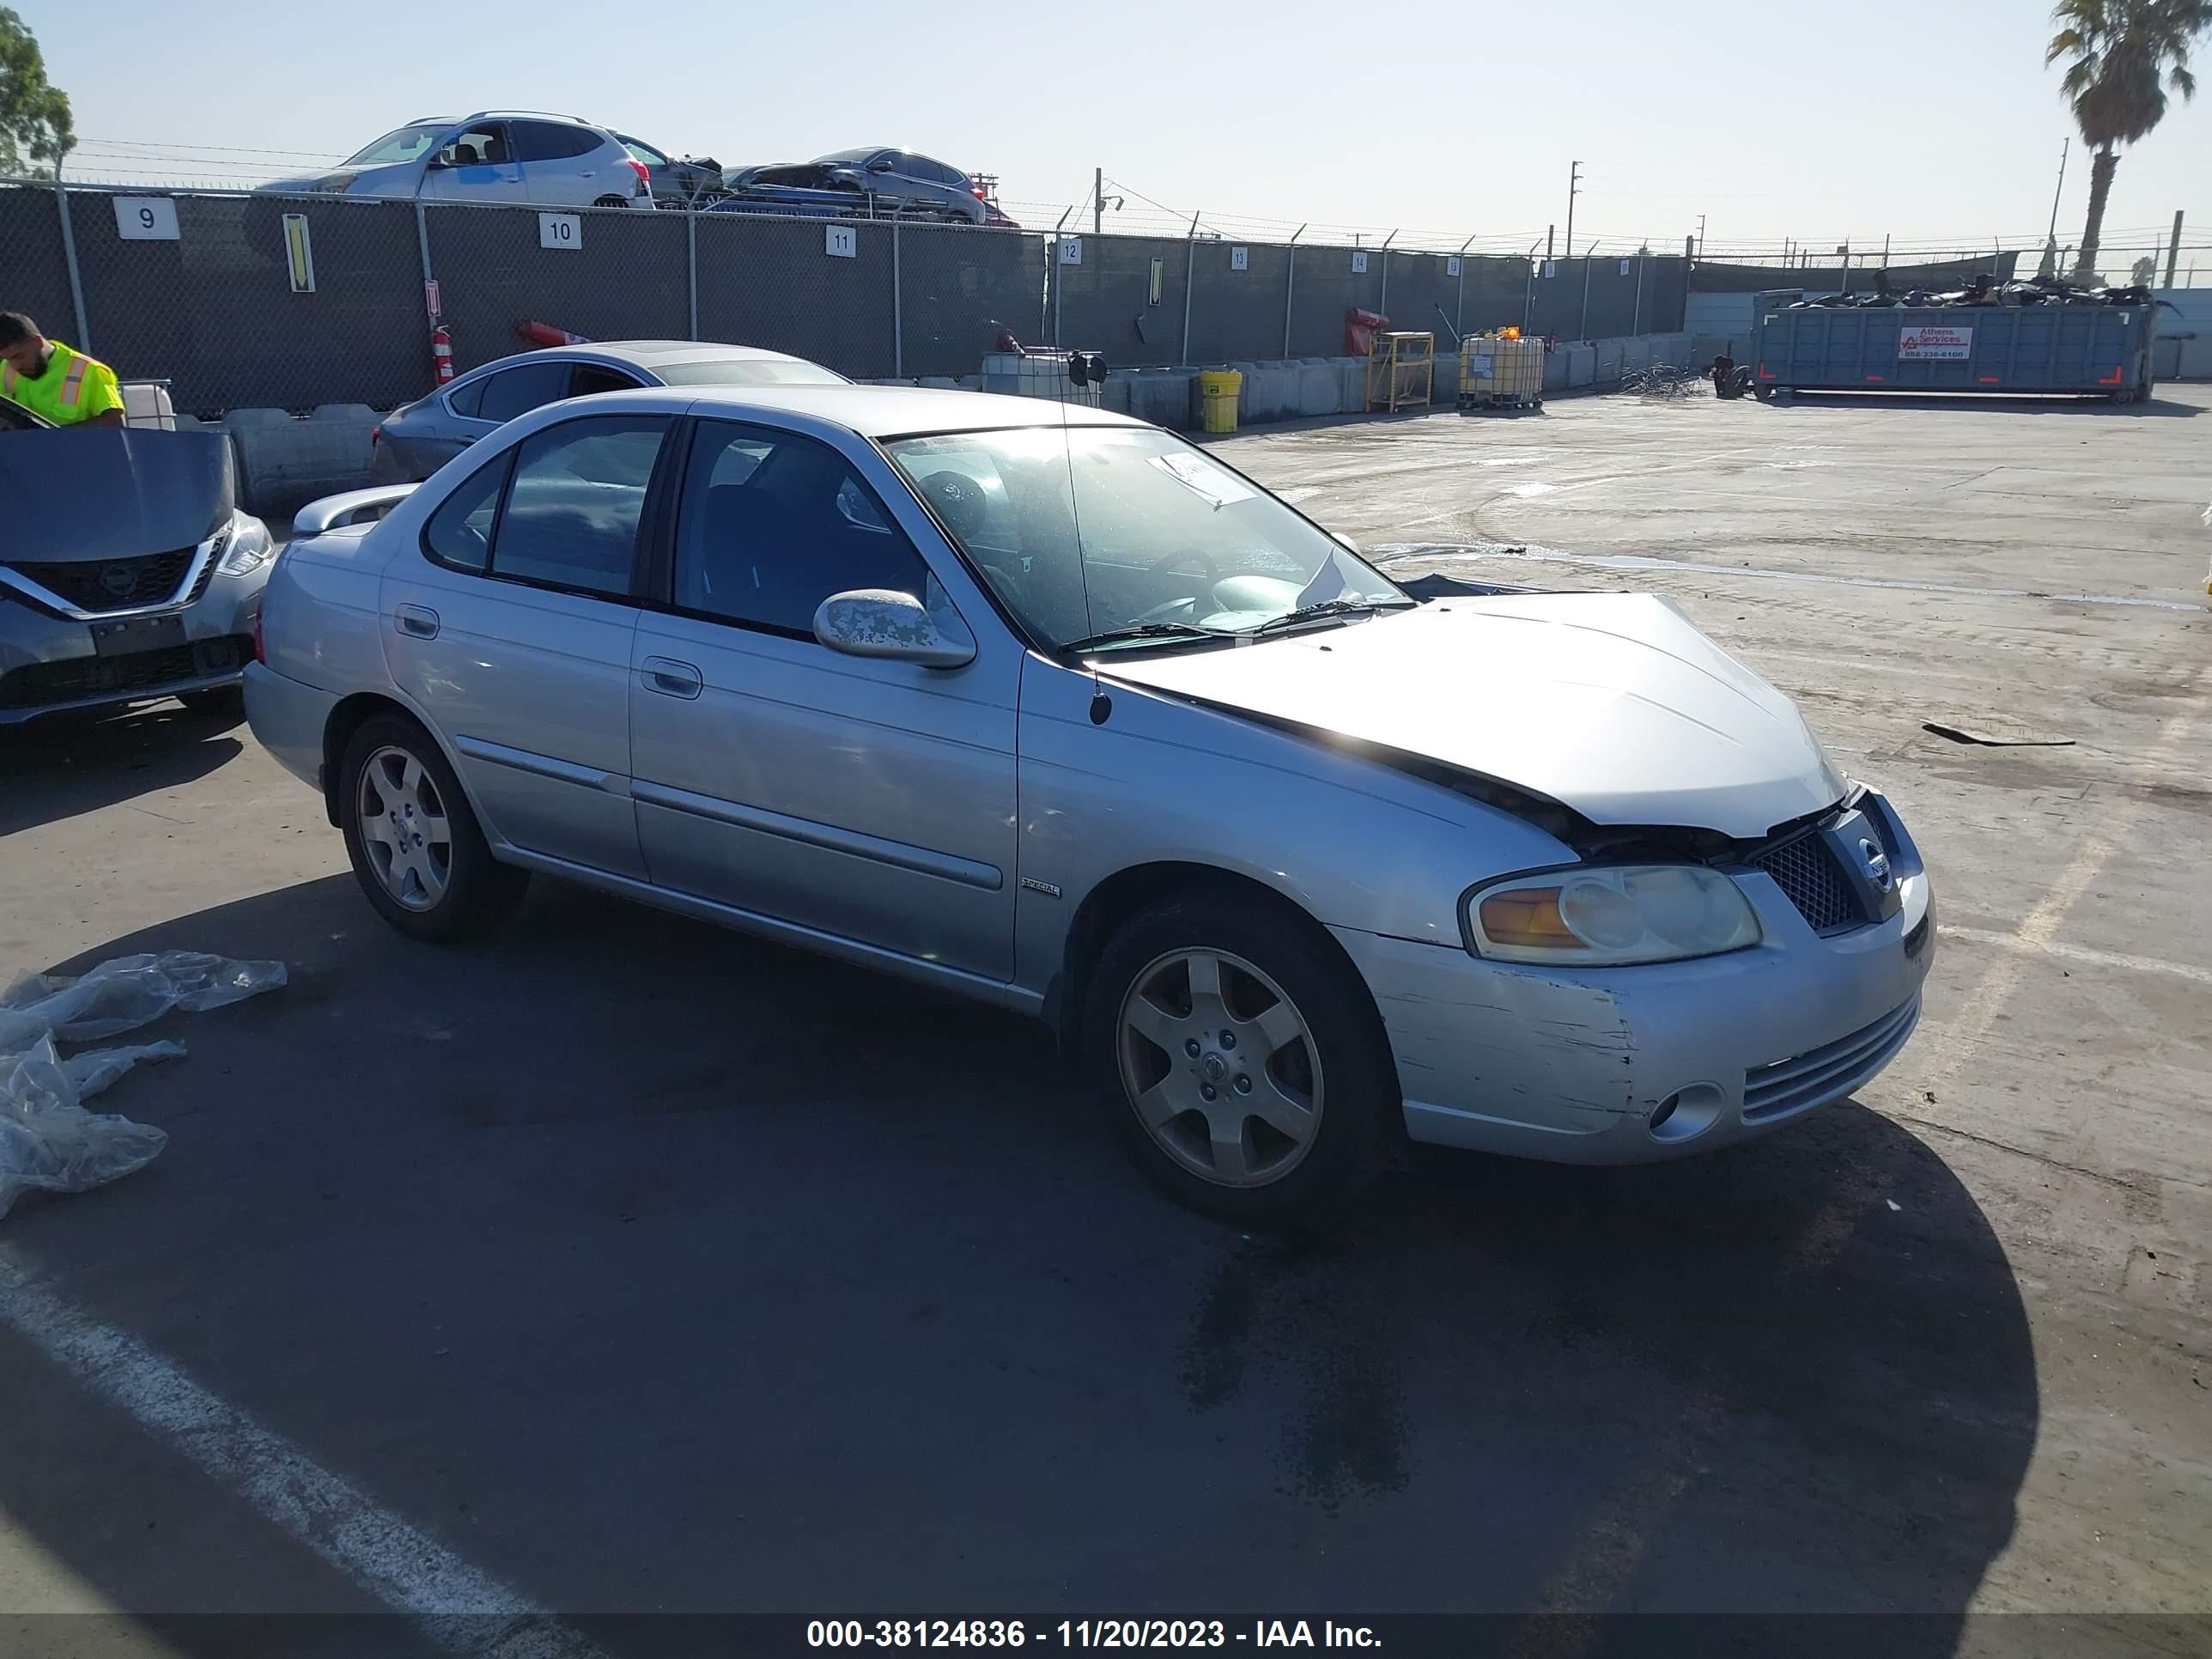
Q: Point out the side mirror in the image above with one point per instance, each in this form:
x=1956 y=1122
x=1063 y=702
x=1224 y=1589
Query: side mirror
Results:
x=874 y=621
x=881 y=164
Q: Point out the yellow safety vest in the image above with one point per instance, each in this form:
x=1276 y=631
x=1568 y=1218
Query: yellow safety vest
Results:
x=74 y=388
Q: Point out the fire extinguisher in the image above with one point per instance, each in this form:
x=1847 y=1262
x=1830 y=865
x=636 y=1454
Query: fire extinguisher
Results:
x=441 y=353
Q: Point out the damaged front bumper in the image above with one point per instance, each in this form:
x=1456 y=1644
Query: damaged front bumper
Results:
x=1631 y=1065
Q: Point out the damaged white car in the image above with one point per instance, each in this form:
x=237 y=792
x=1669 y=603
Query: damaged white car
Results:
x=1052 y=708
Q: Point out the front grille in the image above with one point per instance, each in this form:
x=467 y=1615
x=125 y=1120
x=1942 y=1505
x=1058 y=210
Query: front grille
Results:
x=1806 y=871
x=1829 y=1072
x=102 y=584
x=141 y=673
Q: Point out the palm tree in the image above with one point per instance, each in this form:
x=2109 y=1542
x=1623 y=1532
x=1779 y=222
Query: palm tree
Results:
x=2123 y=55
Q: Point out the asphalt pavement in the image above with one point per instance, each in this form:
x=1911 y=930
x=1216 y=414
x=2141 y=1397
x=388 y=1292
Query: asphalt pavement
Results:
x=625 y=1267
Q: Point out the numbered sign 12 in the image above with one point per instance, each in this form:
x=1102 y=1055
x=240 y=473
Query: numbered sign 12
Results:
x=146 y=218
x=561 y=230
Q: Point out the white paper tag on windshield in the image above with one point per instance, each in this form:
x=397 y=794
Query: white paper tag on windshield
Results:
x=1203 y=478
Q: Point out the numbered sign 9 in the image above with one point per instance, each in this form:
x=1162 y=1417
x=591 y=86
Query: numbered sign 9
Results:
x=561 y=230
x=146 y=218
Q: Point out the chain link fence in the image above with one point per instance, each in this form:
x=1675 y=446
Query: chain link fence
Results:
x=244 y=299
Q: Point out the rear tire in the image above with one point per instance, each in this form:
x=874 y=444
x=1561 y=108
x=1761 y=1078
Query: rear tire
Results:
x=1240 y=1061
x=415 y=844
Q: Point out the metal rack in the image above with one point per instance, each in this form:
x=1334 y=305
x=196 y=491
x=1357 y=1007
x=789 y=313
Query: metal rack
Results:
x=1401 y=371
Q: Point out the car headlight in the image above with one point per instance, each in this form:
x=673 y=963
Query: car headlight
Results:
x=249 y=549
x=1609 y=916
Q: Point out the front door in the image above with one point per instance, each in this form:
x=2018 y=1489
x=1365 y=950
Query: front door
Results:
x=865 y=799
x=512 y=633
x=476 y=165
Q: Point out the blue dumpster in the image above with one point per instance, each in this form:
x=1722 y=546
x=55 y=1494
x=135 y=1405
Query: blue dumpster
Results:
x=2093 y=350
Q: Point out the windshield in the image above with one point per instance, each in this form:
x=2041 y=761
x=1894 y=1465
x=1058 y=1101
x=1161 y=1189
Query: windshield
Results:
x=847 y=157
x=747 y=371
x=408 y=144
x=1088 y=530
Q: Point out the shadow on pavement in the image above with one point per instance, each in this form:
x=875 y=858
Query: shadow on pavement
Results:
x=650 y=1267
x=63 y=765
x=2025 y=404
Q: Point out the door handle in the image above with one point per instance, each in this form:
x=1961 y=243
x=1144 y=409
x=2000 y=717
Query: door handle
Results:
x=418 y=620
x=671 y=678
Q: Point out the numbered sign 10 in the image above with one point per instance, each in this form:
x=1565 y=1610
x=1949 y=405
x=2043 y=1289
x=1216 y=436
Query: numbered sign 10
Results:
x=146 y=218
x=561 y=230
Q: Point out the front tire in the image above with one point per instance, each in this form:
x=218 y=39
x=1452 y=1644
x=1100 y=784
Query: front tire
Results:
x=1240 y=1061
x=415 y=844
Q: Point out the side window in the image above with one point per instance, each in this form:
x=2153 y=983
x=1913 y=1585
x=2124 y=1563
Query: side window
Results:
x=478 y=147
x=578 y=497
x=468 y=398
x=645 y=152
x=459 y=531
x=517 y=391
x=590 y=378
x=772 y=524
x=550 y=141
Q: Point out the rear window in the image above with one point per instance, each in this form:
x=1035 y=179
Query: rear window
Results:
x=747 y=371
x=550 y=141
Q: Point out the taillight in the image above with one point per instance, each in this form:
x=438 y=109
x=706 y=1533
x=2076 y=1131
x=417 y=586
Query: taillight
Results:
x=977 y=191
x=644 y=177
x=375 y=436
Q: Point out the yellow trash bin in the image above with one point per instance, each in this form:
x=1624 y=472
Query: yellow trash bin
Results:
x=1217 y=389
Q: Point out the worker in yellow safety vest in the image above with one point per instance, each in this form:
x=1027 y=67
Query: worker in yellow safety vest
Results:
x=50 y=378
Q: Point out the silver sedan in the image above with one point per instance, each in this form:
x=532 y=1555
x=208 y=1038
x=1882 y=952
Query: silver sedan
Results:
x=1053 y=710
x=417 y=439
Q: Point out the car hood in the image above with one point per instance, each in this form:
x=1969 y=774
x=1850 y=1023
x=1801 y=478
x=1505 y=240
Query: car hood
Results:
x=1611 y=704
x=384 y=180
x=113 y=492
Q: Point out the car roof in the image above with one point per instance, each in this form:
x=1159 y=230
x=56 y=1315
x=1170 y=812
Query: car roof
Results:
x=645 y=354
x=874 y=412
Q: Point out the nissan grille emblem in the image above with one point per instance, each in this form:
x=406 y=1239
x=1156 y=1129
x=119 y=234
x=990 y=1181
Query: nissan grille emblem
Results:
x=118 y=579
x=1877 y=865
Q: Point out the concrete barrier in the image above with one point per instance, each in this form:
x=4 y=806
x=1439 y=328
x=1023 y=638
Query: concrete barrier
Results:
x=1161 y=396
x=1270 y=392
x=1320 y=388
x=1352 y=384
x=283 y=463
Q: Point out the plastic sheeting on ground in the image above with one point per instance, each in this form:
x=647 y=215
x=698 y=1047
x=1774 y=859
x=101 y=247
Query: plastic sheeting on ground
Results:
x=47 y=1139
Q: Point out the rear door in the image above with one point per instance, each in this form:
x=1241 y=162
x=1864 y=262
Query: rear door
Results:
x=562 y=165
x=870 y=800
x=511 y=632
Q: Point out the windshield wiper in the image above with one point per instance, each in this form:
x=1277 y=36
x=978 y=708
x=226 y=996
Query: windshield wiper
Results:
x=1151 y=630
x=1306 y=613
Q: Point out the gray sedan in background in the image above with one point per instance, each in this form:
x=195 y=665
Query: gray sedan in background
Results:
x=417 y=439
x=1053 y=710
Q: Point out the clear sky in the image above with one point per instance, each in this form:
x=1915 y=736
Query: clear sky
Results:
x=1925 y=119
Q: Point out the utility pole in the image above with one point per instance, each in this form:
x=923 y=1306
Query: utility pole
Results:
x=2173 y=248
x=1574 y=189
x=1097 y=201
x=1701 y=236
x=1548 y=229
x=2061 y=190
